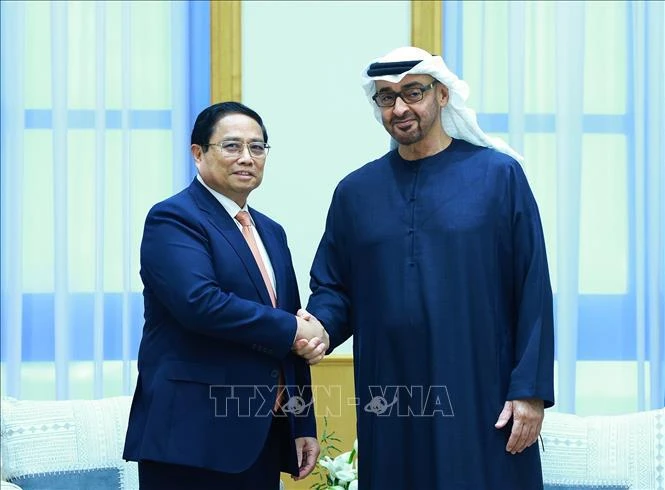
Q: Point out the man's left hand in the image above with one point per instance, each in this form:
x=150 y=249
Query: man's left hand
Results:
x=307 y=449
x=527 y=417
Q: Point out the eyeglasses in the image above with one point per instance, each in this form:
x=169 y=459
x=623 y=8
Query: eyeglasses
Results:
x=232 y=148
x=409 y=95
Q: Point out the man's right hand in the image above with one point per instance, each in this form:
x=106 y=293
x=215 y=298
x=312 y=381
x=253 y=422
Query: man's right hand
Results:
x=312 y=341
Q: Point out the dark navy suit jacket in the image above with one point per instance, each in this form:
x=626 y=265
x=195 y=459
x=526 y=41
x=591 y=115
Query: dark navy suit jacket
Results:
x=213 y=345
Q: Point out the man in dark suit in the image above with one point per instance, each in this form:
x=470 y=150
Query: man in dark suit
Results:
x=222 y=401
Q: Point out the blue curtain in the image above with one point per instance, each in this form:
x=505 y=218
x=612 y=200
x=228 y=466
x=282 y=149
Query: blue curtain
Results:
x=98 y=99
x=584 y=101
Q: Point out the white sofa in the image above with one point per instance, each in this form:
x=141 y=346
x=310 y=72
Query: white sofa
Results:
x=72 y=445
x=604 y=452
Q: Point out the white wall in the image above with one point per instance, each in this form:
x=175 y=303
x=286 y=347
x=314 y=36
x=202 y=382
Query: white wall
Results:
x=301 y=72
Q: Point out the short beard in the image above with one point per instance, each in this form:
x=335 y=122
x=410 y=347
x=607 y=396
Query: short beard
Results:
x=407 y=138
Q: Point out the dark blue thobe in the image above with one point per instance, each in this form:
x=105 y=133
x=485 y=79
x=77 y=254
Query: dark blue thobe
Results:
x=437 y=267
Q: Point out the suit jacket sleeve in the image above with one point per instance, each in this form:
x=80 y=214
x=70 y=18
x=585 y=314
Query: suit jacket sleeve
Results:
x=177 y=266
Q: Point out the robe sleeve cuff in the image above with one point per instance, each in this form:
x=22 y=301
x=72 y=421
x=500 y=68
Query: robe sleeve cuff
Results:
x=522 y=393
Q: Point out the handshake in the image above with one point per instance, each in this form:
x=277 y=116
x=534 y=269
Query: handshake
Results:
x=312 y=341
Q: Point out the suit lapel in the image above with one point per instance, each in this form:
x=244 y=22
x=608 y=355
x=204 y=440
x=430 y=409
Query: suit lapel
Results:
x=221 y=220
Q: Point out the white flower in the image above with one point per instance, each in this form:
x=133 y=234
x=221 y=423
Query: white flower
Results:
x=340 y=469
x=346 y=476
x=341 y=473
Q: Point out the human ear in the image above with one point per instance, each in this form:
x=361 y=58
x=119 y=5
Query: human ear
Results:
x=443 y=95
x=196 y=152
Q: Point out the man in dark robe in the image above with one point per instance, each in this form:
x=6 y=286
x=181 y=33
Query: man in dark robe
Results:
x=433 y=258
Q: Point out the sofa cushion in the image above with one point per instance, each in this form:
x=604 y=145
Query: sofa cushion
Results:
x=609 y=451
x=66 y=444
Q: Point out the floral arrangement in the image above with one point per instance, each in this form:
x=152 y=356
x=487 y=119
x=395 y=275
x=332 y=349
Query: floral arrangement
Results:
x=340 y=472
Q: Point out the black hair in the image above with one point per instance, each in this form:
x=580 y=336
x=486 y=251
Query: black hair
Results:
x=209 y=117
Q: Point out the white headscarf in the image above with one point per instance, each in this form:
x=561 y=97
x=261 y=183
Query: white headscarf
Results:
x=458 y=120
